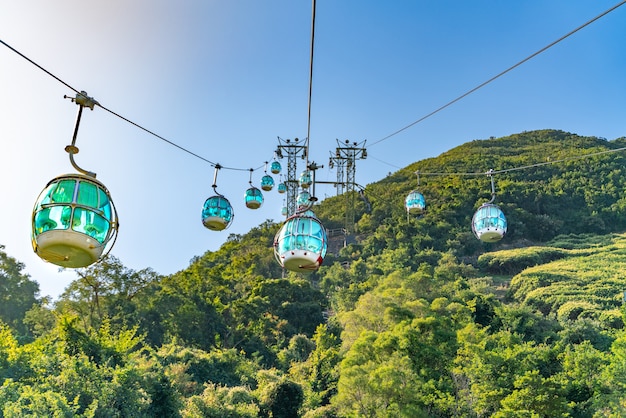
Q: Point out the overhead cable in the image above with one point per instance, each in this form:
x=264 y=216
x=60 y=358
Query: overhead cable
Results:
x=39 y=66
x=124 y=118
x=308 y=129
x=311 y=87
x=506 y=170
x=497 y=76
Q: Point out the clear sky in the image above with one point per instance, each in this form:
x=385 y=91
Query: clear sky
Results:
x=224 y=79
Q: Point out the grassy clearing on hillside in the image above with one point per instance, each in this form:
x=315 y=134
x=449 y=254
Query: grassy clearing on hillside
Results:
x=574 y=277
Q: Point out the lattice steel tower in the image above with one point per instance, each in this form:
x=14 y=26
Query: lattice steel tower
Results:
x=345 y=158
x=292 y=149
x=338 y=162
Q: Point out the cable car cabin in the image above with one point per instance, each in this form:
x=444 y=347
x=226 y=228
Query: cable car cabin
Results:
x=301 y=244
x=275 y=167
x=282 y=188
x=489 y=223
x=305 y=179
x=303 y=199
x=253 y=198
x=267 y=183
x=415 y=203
x=73 y=221
x=217 y=213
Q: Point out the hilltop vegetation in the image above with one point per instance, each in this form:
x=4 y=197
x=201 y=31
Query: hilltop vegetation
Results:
x=413 y=318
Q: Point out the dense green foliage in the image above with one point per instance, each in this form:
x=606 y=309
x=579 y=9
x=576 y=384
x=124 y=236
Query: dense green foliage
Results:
x=18 y=294
x=413 y=318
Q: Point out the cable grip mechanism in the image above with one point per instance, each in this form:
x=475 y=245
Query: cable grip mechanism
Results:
x=493 y=187
x=82 y=100
x=217 y=169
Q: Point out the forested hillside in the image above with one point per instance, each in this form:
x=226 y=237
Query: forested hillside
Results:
x=414 y=317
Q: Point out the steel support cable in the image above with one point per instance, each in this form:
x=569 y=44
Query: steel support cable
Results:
x=506 y=170
x=311 y=87
x=176 y=145
x=439 y=109
x=385 y=162
x=577 y=157
x=39 y=66
x=124 y=118
x=308 y=129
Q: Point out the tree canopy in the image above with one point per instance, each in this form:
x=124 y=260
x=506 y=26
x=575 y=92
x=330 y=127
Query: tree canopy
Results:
x=413 y=317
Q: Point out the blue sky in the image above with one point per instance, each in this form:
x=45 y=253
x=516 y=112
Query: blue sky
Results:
x=224 y=79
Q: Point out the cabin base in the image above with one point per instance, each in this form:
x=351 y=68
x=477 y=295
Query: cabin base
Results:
x=300 y=261
x=68 y=249
x=491 y=235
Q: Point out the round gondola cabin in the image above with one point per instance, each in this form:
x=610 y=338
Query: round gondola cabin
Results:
x=415 y=203
x=73 y=221
x=275 y=167
x=303 y=199
x=306 y=179
x=267 y=183
x=253 y=198
x=217 y=213
x=489 y=223
x=301 y=244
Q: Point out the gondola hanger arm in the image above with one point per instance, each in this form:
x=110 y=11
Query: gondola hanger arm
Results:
x=493 y=187
x=82 y=100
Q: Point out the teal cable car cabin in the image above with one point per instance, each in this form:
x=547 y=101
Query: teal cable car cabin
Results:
x=73 y=221
x=253 y=198
x=415 y=203
x=489 y=223
x=267 y=183
x=301 y=244
x=275 y=167
x=217 y=213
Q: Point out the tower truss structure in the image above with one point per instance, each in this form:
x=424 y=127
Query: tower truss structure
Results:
x=344 y=160
x=292 y=149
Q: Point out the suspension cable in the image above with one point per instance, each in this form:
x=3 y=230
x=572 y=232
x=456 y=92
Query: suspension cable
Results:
x=451 y=102
x=308 y=129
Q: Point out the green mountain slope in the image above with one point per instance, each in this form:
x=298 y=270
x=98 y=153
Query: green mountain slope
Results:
x=540 y=196
x=414 y=317
x=584 y=280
